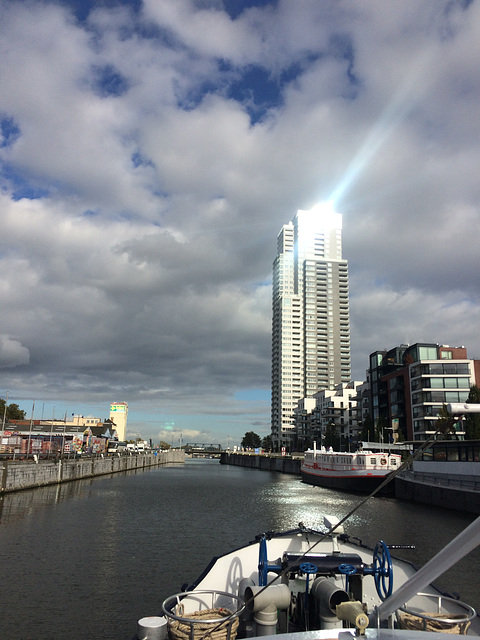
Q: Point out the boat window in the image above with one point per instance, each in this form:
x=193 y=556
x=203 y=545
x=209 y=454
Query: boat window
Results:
x=373 y=460
x=393 y=461
x=427 y=454
x=452 y=454
x=439 y=453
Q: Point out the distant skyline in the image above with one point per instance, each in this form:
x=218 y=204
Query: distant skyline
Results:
x=151 y=151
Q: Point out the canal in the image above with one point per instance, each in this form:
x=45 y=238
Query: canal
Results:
x=86 y=560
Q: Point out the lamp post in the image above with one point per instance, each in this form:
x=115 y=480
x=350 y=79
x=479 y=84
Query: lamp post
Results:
x=30 y=432
x=4 y=414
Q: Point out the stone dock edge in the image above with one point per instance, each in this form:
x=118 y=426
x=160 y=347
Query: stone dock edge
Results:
x=19 y=475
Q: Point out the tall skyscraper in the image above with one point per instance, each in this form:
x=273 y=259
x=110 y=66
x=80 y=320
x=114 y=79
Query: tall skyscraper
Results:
x=311 y=319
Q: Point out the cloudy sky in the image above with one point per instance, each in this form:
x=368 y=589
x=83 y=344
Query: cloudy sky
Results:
x=150 y=152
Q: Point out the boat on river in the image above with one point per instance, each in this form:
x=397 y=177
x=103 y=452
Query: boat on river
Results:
x=362 y=471
x=315 y=584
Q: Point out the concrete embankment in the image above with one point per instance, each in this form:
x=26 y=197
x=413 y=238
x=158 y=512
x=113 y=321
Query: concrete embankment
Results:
x=439 y=490
x=17 y=475
x=282 y=464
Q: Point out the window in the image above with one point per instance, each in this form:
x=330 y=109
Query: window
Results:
x=427 y=353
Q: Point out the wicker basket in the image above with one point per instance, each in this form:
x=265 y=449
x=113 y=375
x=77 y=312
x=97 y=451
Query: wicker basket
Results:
x=439 y=621
x=214 y=622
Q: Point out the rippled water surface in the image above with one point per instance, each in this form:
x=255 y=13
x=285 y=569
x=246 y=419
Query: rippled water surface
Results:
x=88 y=559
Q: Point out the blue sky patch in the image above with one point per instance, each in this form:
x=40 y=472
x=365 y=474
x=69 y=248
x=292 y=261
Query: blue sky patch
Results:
x=256 y=91
x=19 y=185
x=82 y=8
x=9 y=132
x=108 y=82
x=140 y=161
x=235 y=7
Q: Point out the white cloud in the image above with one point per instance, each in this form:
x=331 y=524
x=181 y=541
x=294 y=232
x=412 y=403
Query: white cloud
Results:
x=142 y=269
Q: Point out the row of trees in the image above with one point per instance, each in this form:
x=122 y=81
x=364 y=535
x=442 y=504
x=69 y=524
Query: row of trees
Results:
x=252 y=440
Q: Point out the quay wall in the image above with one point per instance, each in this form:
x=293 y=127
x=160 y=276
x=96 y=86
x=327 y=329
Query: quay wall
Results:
x=439 y=490
x=18 y=475
x=282 y=464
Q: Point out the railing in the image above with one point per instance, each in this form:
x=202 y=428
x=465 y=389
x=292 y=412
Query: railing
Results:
x=455 y=481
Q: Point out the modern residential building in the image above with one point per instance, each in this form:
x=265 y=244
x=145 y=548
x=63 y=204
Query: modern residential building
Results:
x=311 y=319
x=330 y=415
x=410 y=384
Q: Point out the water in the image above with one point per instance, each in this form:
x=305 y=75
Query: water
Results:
x=86 y=560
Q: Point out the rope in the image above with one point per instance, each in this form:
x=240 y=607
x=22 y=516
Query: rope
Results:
x=193 y=630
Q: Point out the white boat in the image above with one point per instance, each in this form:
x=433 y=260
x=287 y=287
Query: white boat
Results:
x=362 y=471
x=313 y=584
x=306 y=584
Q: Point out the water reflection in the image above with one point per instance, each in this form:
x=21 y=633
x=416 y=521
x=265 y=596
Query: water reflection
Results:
x=91 y=557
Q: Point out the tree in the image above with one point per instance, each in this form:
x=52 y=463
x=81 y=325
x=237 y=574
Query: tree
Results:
x=380 y=427
x=367 y=431
x=251 y=440
x=13 y=411
x=472 y=420
x=446 y=423
x=164 y=445
x=267 y=444
x=331 y=438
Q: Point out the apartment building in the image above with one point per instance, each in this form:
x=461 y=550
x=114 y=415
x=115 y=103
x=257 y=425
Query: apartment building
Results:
x=310 y=319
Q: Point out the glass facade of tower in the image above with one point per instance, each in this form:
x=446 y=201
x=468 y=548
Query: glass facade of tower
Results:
x=311 y=319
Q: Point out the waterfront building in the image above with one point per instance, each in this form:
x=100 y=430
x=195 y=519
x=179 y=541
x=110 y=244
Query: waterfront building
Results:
x=119 y=415
x=330 y=415
x=310 y=319
x=48 y=437
x=410 y=384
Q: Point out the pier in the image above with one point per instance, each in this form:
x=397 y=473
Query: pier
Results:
x=265 y=462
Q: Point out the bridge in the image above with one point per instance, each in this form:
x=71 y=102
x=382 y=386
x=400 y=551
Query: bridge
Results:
x=198 y=449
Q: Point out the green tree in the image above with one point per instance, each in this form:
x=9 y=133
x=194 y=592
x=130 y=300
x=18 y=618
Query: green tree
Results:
x=13 y=411
x=251 y=440
x=164 y=445
x=472 y=420
x=367 y=431
x=380 y=434
x=267 y=443
x=331 y=438
x=446 y=424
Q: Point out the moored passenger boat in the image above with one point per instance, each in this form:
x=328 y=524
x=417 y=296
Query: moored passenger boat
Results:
x=362 y=471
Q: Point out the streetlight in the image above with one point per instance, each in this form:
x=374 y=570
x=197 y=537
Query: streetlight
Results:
x=4 y=413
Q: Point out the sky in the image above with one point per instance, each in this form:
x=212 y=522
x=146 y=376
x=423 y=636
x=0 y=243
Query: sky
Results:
x=150 y=153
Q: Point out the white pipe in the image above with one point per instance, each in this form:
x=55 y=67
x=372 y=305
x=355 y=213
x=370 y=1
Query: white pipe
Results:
x=459 y=408
x=455 y=550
